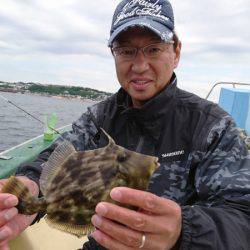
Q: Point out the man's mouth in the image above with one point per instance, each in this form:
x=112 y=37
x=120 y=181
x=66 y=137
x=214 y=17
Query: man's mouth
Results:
x=140 y=84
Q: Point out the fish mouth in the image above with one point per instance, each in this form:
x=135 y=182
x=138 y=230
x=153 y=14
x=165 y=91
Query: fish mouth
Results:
x=157 y=165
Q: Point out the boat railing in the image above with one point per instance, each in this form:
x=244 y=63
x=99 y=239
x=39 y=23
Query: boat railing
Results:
x=226 y=83
x=24 y=153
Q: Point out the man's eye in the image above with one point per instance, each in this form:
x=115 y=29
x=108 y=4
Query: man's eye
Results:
x=153 y=50
x=126 y=52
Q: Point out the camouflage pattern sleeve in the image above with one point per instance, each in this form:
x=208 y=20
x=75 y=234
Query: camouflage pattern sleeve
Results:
x=83 y=133
x=220 y=219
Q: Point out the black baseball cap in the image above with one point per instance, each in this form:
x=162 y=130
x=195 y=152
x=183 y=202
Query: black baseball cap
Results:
x=156 y=15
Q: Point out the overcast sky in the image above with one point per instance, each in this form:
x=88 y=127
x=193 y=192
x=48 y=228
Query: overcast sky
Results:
x=65 y=42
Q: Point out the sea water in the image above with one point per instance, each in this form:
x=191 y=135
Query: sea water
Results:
x=17 y=127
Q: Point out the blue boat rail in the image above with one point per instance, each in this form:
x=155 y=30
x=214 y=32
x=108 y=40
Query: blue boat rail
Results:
x=226 y=83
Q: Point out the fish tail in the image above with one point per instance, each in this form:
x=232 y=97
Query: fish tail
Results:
x=27 y=203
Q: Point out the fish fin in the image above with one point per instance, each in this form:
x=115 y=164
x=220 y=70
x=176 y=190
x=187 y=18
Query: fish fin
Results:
x=77 y=230
x=25 y=198
x=56 y=159
x=110 y=139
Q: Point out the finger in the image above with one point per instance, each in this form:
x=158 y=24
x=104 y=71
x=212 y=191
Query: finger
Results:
x=133 y=219
x=7 y=215
x=144 y=200
x=108 y=242
x=4 y=246
x=14 y=227
x=118 y=232
x=7 y=201
x=5 y=233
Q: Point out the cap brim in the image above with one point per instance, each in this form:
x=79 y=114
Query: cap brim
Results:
x=161 y=30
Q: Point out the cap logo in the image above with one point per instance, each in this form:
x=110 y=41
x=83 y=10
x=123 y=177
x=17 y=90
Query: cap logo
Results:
x=139 y=8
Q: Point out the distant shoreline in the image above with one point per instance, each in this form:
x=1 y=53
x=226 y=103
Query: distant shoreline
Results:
x=47 y=95
x=58 y=91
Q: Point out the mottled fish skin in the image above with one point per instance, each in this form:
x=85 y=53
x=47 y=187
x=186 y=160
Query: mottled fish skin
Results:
x=83 y=179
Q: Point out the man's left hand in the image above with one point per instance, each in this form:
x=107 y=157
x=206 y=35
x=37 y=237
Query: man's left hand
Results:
x=158 y=221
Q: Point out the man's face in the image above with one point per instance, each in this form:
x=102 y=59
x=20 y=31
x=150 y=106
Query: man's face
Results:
x=142 y=78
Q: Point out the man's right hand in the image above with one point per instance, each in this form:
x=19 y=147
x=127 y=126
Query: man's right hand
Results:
x=12 y=223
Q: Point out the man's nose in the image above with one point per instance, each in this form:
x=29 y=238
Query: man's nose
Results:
x=140 y=63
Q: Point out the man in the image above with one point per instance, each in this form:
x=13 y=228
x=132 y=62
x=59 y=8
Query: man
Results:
x=199 y=197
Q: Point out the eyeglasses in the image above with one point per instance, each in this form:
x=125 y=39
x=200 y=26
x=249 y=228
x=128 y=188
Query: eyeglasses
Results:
x=150 y=51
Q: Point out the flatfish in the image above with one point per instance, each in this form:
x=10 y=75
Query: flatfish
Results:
x=73 y=182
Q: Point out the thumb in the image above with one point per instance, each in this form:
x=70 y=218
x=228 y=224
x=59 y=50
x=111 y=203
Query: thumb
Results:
x=4 y=246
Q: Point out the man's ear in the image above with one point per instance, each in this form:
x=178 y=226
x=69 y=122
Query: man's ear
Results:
x=177 y=54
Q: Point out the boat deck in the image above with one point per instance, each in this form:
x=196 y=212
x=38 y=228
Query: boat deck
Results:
x=42 y=237
x=23 y=153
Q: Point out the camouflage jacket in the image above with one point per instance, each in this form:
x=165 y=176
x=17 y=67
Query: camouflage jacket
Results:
x=205 y=164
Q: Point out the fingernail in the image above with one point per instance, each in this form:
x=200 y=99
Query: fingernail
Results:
x=4 y=234
x=96 y=220
x=101 y=209
x=115 y=194
x=96 y=235
x=10 y=202
x=10 y=214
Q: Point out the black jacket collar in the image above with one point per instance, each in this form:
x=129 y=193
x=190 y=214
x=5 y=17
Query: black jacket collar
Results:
x=156 y=104
x=149 y=117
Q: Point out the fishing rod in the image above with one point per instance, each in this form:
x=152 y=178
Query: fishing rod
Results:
x=26 y=112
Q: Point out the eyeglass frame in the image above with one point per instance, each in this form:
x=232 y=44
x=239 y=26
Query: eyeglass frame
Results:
x=137 y=49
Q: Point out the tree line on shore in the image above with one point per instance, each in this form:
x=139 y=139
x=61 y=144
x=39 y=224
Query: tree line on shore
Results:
x=61 y=90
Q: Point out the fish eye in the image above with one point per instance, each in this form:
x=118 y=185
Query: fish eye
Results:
x=121 y=158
